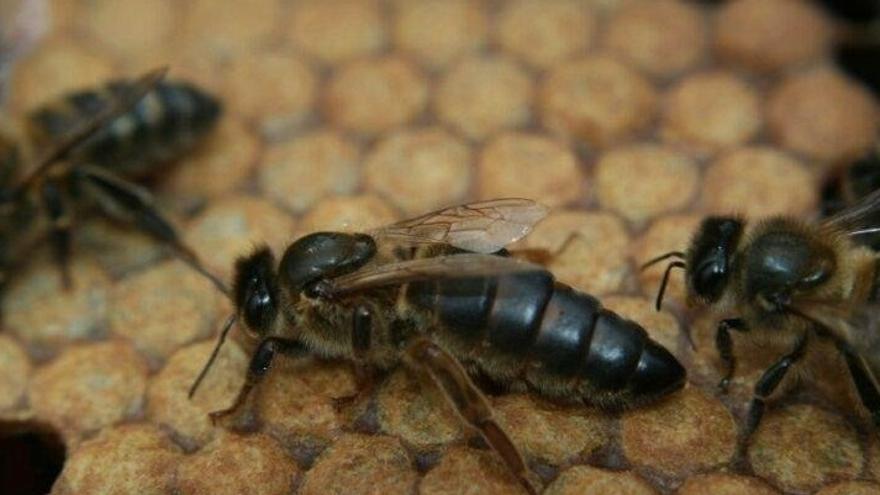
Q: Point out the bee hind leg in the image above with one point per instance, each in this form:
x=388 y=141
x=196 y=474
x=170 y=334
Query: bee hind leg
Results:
x=128 y=202
x=544 y=255
x=865 y=382
x=469 y=403
x=60 y=218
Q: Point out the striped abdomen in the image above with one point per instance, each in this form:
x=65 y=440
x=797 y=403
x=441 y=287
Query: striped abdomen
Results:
x=561 y=342
x=168 y=121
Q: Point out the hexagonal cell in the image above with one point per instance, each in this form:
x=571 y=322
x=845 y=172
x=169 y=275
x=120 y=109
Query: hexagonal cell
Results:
x=687 y=433
x=250 y=463
x=351 y=114
x=777 y=454
x=135 y=458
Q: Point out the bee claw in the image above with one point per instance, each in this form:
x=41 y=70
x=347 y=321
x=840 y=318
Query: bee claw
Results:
x=218 y=416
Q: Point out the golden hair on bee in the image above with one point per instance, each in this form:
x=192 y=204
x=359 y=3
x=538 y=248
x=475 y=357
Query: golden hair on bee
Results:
x=791 y=281
x=440 y=295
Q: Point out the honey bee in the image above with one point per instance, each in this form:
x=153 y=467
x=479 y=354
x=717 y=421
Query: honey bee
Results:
x=100 y=166
x=792 y=282
x=440 y=294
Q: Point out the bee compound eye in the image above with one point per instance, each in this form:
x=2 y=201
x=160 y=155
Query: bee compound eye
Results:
x=709 y=279
x=259 y=309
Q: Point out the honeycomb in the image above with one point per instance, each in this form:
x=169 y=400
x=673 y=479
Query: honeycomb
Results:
x=632 y=119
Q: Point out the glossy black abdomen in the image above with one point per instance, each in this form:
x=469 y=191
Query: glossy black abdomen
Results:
x=543 y=324
x=168 y=121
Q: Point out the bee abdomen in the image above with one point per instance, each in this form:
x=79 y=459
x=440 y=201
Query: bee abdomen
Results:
x=614 y=355
x=167 y=122
x=500 y=312
x=533 y=319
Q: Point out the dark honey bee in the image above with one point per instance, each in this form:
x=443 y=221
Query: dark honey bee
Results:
x=440 y=294
x=168 y=119
x=791 y=282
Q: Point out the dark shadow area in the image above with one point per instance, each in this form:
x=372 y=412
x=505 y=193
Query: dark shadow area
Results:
x=859 y=11
x=31 y=457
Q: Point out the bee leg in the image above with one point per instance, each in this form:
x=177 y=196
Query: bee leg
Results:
x=361 y=334
x=724 y=344
x=260 y=363
x=768 y=382
x=543 y=256
x=131 y=203
x=59 y=215
x=471 y=405
x=865 y=383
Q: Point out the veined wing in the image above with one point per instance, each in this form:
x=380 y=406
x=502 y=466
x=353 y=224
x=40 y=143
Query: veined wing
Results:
x=479 y=227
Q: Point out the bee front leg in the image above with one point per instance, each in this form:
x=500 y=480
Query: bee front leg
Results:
x=60 y=218
x=446 y=372
x=724 y=344
x=361 y=336
x=768 y=382
x=260 y=363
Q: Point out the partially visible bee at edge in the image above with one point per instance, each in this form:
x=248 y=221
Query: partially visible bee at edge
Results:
x=169 y=119
x=792 y=282
x=849 y=184
x=440 y=295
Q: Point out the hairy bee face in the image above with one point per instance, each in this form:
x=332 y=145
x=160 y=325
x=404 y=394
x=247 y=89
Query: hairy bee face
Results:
x=710 y=258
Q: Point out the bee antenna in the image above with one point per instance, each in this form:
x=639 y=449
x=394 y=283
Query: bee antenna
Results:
x=189 y=257
x=662 y=291
x=229 y=322
x=662 y=257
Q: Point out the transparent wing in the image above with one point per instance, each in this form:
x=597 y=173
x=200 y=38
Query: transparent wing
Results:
x=456 y=266
x=861 y=219
x=480 y=227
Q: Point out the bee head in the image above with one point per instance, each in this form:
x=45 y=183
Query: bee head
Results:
x=324 y=255
x=710 y=255
x=784 y=260
x=255 y=290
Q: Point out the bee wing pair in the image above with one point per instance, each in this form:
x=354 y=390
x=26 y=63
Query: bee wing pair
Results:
x=481 y=228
